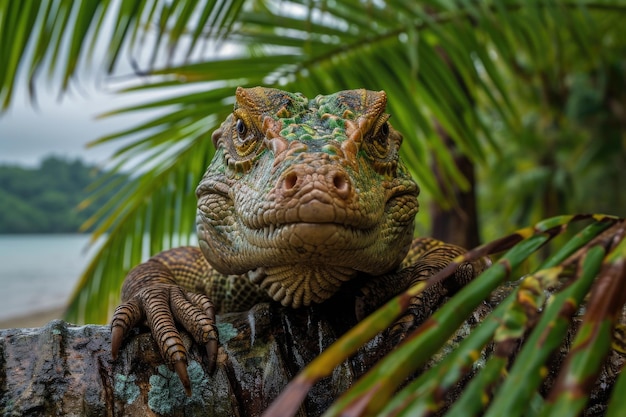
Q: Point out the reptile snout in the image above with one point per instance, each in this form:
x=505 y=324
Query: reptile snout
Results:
x=334 y=181
x=314 y=193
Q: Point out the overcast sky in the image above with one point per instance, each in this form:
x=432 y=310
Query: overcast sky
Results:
x=61 y=127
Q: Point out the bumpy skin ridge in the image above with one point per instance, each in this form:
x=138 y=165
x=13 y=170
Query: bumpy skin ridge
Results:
x=301 y=196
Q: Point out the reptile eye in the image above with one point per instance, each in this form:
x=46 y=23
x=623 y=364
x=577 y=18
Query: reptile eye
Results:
x=383 y=134
x=243 y=143
x=382 y=146
x=384 y=129
x=241 y=127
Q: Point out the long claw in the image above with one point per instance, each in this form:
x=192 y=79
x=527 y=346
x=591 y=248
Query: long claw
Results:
x=163 y=327
x=126 y=316
x=180 y=367
x=196 y=313
x=117 y=335
x=211 y=352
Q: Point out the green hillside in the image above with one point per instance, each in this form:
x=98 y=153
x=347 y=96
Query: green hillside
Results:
x=46 y=199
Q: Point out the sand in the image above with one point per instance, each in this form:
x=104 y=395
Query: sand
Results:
x=36 y=319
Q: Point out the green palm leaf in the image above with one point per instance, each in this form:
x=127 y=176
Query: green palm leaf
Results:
x=62 y=34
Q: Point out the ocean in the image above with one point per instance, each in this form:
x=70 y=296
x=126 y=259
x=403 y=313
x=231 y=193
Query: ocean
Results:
x=39 y=272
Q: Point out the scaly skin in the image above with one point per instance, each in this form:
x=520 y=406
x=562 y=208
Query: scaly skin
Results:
x=301 y=197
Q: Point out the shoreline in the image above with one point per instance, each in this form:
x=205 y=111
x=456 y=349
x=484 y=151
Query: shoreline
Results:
x=35 y=319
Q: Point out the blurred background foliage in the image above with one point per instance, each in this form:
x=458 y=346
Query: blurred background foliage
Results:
x=46 y=199
x=512 y=111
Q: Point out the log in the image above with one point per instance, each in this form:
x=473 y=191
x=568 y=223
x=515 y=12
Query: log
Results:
x=65 y=369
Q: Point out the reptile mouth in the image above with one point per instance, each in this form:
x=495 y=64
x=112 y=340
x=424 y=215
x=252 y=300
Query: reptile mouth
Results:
x=311 y=238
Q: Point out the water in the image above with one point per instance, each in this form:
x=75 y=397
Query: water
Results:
x=39 y=272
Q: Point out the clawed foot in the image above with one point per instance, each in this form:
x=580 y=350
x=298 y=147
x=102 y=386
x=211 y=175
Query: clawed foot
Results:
x=424 y=304
x=162 y=306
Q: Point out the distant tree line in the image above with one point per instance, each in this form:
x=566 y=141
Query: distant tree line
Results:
x=46 y=199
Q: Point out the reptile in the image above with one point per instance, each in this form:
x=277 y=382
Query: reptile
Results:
x=302 y=198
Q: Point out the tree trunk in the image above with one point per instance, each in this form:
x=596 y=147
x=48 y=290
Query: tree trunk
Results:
x=459 y=223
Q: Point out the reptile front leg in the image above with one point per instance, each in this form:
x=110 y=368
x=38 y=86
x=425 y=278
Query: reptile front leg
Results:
x=152 y=292
x=426 y=257
x=179 y=286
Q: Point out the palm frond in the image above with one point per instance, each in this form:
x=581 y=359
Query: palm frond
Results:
x=155 y=203
x=62 y=35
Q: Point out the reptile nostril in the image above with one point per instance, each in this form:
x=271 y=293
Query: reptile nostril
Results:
x=341 y=184
x=290 y=181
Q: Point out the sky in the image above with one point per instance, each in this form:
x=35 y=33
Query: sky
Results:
x=60 y=126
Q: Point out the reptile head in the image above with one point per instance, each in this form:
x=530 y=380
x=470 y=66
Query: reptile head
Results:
x=304 y=194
